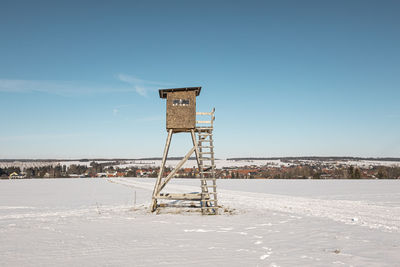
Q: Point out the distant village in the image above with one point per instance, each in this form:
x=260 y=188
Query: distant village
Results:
x=288 y=169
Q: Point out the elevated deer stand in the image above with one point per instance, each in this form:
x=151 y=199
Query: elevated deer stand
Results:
x=181 y=118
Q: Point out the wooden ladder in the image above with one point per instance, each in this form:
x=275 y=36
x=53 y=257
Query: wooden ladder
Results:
x=205 y=145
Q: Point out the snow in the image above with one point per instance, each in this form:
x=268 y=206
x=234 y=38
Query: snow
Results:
x=220 y=163
x=91 y=222
x=32 y=164
x=225 y=163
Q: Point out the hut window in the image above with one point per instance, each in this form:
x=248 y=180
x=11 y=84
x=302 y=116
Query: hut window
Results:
x=180 y=102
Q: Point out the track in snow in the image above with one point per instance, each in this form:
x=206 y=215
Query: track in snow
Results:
x=355 y=212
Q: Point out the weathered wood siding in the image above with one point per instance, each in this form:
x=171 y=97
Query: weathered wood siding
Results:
x=181 y=117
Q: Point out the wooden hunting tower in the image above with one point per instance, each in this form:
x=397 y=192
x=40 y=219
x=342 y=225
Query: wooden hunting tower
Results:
x=181 y=108
x=181 y=117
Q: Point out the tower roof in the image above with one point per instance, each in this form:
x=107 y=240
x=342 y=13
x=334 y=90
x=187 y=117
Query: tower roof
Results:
x=163 y=92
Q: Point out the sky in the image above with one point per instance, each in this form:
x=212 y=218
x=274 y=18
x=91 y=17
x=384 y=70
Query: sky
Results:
x=80 y=79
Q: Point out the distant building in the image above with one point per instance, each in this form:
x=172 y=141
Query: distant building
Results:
x=15 y=175
x=121 y=174
x=112 y=174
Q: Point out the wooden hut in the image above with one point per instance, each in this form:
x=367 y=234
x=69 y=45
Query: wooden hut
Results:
x=181 y=108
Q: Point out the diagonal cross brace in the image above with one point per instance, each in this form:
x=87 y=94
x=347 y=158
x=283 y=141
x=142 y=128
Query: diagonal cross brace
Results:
x=174 y=171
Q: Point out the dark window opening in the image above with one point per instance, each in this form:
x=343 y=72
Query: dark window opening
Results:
x=180 y=102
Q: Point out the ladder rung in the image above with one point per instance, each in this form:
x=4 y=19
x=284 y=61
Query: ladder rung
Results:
x=204 y=128
x=214 y=186
x=188 y=196
x=205 y=140
x=204 y=113
x=206 y=146
x=208 y=152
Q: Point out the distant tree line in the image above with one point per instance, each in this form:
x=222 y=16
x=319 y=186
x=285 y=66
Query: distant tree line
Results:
x=322 y=171
x=64 y=171
x=311 y=172
x=285 y=159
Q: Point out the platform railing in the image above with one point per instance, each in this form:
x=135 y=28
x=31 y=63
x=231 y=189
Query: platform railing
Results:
x=210 y=122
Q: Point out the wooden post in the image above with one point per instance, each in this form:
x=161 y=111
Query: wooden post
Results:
x=155 y=191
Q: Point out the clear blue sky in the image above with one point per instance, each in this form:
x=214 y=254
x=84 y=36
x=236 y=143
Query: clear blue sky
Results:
x=288 y=78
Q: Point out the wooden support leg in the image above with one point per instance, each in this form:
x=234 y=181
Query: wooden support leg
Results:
x=156 y=186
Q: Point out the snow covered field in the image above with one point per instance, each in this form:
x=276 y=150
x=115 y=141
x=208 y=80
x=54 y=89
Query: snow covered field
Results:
x=92 y=222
